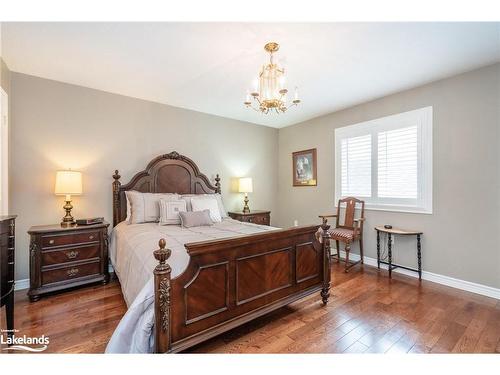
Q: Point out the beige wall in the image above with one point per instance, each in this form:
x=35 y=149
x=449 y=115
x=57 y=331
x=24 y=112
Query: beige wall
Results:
x=462 y=236
x=57 y=125
x=4 y=76
x=5 y=84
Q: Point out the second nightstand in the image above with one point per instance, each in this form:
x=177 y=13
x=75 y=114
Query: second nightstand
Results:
x=255 y=217
x=64 y=257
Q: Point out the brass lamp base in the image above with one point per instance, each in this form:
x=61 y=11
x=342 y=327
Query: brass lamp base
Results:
x=246 y=209
x=68 y=220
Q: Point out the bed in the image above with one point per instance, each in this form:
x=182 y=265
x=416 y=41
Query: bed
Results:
x=204 y=281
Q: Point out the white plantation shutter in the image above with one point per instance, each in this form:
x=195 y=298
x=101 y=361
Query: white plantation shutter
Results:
x=387 y=162
x=356 y=166
x=397 y=163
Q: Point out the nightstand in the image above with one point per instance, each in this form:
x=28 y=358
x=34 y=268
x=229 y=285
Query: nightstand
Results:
x=65 y=257
x=255 y=217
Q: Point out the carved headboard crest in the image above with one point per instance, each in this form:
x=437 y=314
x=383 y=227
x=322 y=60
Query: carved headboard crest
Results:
x=168 y=173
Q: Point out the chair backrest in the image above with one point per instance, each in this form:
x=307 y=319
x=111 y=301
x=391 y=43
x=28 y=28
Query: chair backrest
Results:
x=350 y=204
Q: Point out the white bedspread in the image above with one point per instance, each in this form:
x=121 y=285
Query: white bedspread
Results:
x=131 y=254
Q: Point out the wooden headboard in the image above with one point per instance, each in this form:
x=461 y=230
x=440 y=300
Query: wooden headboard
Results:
x=168 y=173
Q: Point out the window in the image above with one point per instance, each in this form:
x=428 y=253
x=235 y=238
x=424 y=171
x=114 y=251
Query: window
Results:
x=387 y=162
x=4 y=154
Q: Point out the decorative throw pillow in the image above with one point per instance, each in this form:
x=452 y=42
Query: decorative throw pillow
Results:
x=195 y=219
x=145 y=207
x=207 y=203
x=169 y=211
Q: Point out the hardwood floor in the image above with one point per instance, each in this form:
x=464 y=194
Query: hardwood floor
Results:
x=367 y=313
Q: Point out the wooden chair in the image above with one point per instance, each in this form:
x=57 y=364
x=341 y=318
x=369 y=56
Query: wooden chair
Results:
x=350 y=231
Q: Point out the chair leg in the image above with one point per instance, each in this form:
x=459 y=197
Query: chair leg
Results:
x=361 y=249
x=347 y=250
x=338 y=251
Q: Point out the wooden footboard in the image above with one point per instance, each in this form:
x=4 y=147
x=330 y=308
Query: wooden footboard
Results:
x=232 y=281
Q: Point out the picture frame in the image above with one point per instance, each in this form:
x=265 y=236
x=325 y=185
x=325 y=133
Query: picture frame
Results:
x=304 y=166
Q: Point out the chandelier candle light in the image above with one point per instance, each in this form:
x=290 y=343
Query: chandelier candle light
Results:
x=269 y=92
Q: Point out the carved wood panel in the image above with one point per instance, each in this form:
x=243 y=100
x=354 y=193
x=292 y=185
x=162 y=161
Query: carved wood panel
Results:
x=261 y=274
x=181 y=184
x=201 y=301
x=308 y=262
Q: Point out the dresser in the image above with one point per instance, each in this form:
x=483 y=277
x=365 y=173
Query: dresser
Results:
x=255 y=217
x=7 y=249
x=66 y=257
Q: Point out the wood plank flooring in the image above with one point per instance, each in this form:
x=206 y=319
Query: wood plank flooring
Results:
x=367 y=313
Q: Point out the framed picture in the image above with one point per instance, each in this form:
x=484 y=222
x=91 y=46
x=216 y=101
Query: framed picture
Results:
x=304 y=168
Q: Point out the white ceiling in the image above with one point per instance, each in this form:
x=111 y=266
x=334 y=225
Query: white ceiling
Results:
x=207 y=67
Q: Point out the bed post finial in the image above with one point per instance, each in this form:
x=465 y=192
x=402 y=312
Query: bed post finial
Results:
x=116 y=198
x=162 y=298
x=325 y=291
x=217 y=183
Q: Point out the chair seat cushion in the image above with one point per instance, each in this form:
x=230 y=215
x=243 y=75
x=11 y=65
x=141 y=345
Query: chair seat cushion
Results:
x=341 y=234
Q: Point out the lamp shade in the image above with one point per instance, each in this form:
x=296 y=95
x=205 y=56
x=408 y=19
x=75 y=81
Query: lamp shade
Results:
x=68 y=183
x=245 y=185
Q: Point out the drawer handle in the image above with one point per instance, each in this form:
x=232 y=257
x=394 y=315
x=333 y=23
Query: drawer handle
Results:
x=51 y=242
x=91 y=237
x=72 y=254
x=72 y=272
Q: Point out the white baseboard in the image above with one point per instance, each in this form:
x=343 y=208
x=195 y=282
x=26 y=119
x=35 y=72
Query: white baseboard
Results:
x=22 y=284
x=25 y=283
x=429 y=276
x=434 y=277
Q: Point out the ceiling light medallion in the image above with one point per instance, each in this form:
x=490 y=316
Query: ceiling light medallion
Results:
x=269 y=92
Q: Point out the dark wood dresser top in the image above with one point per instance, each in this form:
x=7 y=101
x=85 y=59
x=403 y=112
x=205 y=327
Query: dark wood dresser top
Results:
x=7 y=217
x=58 y=228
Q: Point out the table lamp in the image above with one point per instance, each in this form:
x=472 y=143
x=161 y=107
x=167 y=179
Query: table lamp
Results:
x=245 y=186
x=68 y=183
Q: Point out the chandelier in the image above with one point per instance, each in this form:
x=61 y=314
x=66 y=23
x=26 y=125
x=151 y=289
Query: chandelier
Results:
x=269 y=92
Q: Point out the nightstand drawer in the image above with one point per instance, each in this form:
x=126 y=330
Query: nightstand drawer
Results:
x=6 y=269
x=71 y=254
x=254 y=217
x=261 y=220
x=5 y=226
x=49 y=241
x=70 y=272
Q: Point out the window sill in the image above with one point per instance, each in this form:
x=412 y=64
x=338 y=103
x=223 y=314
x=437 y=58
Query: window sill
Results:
x=388 y=208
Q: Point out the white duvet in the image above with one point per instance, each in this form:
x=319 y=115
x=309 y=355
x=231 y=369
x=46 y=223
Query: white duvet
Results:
x=131 y=254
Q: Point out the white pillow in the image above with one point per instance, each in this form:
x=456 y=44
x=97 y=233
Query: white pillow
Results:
x=207 y=203
x=145 y=207
x=128 y=209
x=218 y=197
x=169 y=211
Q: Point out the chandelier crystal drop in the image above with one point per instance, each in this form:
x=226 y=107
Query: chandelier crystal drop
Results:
x=269 y=92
